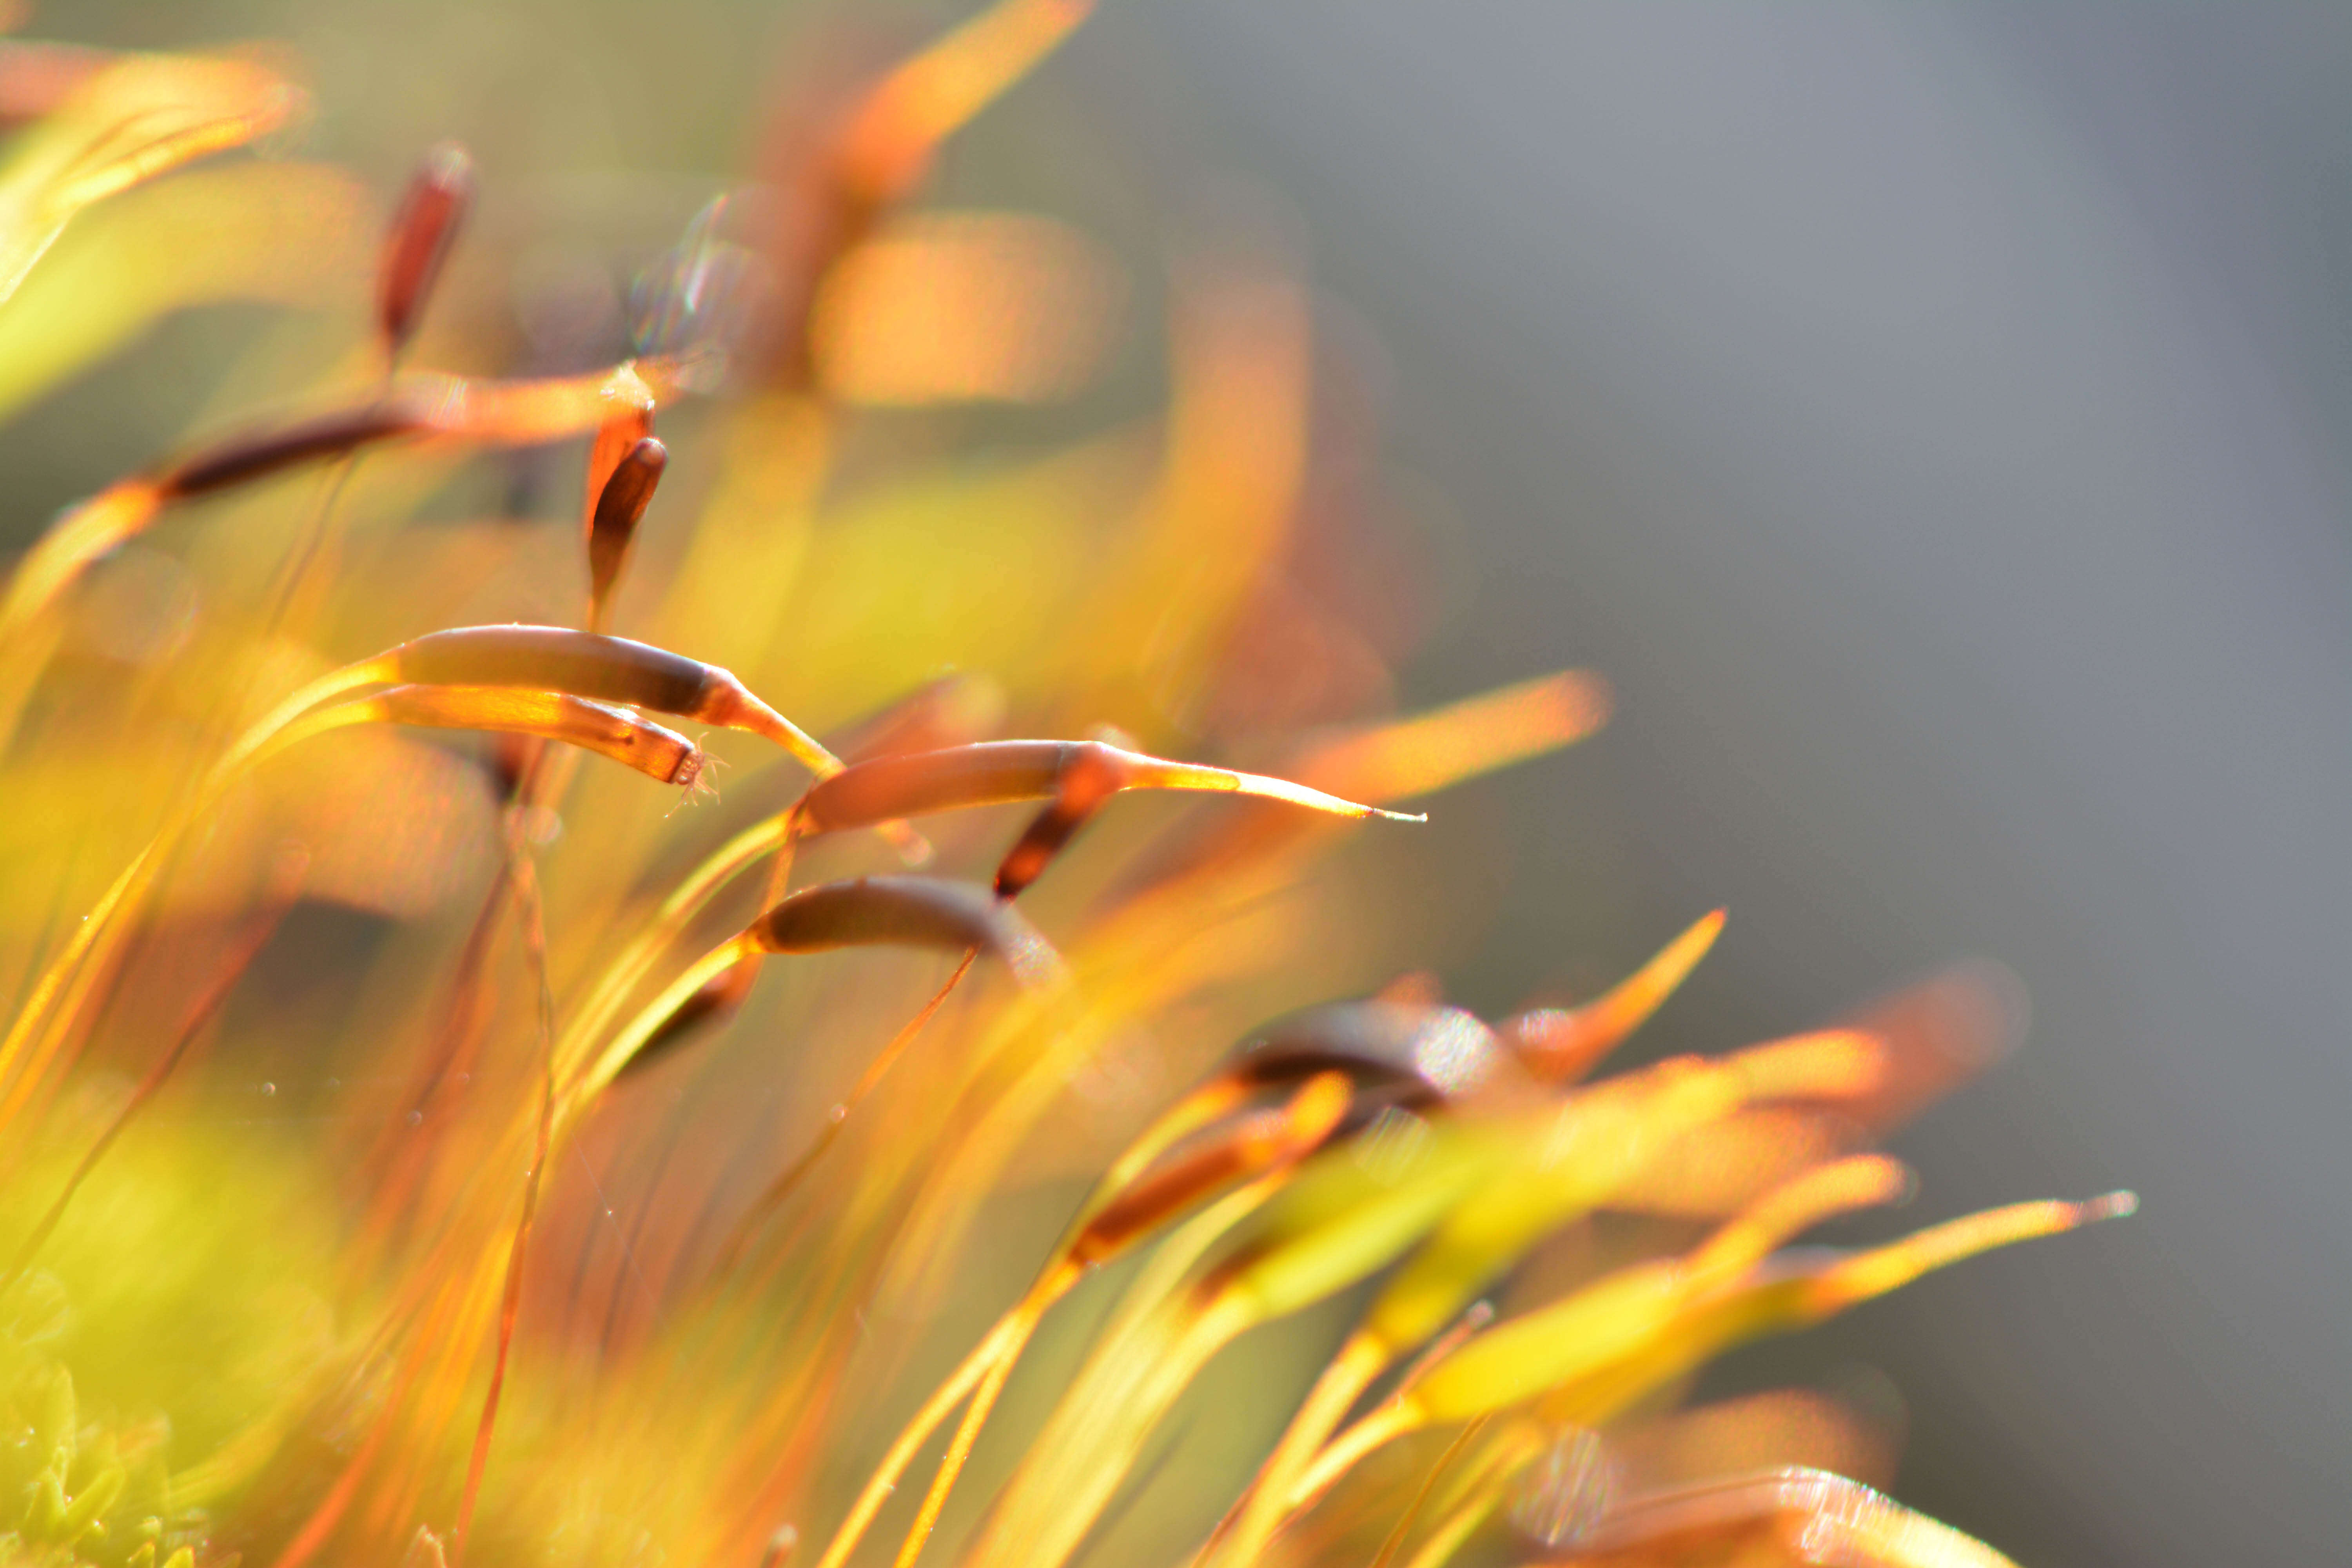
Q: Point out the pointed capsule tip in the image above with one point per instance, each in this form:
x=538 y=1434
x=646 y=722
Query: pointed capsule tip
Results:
x=1399 y=815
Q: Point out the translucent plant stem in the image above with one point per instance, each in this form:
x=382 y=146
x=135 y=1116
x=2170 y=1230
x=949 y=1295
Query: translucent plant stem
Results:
x=43 y=1025
x=654 y=935
x=1267 y=1142
x=1087 y=1242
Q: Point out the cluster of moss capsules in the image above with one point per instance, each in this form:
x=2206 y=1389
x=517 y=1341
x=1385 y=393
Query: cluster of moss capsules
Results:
x=377 y=1344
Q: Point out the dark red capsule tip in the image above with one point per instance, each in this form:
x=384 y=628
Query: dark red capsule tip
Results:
x=420 y=236
x=619 y=507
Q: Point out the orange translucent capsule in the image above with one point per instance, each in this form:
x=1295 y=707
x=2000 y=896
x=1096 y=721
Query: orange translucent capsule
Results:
x=590 y=665
x=525 y=413
x=628 y=738
x=615 y=439
x=863 y=912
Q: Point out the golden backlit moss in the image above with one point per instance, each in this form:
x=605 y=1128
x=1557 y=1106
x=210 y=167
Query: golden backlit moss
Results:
x=894 y=1154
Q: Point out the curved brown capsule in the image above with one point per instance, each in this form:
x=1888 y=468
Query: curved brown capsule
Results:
x=907 y=912
x=989 y=773
x=620 y=504
x=591 y=665
x=419 y=239
x=555 y=658
x=239 y=459
x=611 y=443
x=515 y=413
x=1084 y=783
x=1252 y=1145
x=1419 y=1055
x=628 y=738
x=714 y=1002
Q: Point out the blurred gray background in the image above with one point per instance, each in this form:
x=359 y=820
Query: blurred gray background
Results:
x=1935 y=418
